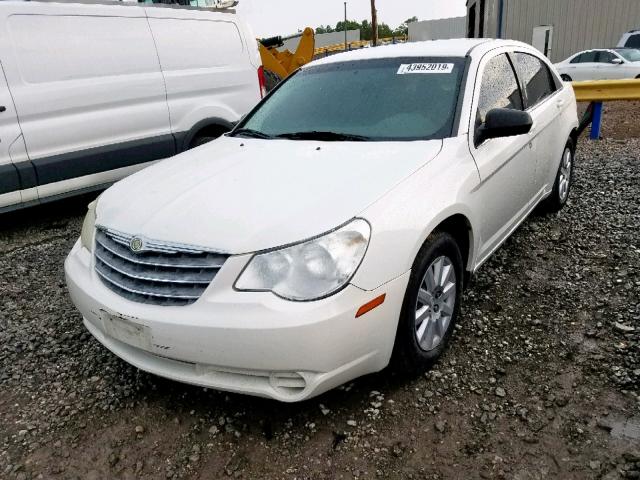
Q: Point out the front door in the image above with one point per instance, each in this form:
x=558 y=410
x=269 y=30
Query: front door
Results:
x=506 y=165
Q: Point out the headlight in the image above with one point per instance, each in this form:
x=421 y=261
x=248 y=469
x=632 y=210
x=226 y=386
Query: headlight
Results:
x=89 y=226
x=309 y=270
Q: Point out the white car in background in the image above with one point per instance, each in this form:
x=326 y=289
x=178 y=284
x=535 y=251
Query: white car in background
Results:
x=335 y=227
x=601 y=64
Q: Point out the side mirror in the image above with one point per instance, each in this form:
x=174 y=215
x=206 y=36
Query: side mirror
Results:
x=503 y=122
x=617 y=61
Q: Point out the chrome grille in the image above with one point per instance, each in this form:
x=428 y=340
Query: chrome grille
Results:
x=158 y=274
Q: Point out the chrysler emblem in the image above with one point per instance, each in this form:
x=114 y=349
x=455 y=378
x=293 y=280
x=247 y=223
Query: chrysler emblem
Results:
x=136 y=244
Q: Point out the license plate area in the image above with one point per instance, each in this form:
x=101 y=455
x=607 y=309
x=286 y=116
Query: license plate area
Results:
x=127 y=331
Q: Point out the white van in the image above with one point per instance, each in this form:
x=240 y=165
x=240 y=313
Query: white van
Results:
x=91 y=92
x=630 y=39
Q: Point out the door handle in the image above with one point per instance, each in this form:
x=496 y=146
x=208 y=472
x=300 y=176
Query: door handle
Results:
x=559 y=103
x=2 y=108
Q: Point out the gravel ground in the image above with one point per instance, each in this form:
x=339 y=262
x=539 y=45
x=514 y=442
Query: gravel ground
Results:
x=541 y=381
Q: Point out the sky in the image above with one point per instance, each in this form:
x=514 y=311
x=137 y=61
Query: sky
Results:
x=285 y=17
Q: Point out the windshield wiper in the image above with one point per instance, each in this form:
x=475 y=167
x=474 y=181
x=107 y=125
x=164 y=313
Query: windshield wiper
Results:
x=326 y=136
x=250 y=133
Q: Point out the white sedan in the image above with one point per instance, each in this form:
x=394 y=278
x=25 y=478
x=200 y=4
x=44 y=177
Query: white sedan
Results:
x=602 y=64
x=334 y=229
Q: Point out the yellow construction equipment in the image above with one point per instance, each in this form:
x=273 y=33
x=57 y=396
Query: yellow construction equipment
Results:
x=279 y=65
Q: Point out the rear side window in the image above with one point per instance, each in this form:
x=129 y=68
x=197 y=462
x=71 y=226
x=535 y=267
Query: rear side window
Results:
x=633 y=41
x=498 y=88
x=193 y=44
x=536 y=77
x=586 y=57
x=60 y=48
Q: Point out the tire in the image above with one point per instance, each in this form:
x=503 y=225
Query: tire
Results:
x=409 y=353
x=562 y=186
x=565 y=77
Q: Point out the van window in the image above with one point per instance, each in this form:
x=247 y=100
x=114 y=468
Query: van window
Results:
x=633 y=41
x=55 y=48
x=189 y=44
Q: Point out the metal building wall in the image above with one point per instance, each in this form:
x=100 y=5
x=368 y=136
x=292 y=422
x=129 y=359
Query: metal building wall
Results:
x=577 y=24
x=437 y=29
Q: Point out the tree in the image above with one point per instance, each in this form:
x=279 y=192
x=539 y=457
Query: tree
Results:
x=403 y=29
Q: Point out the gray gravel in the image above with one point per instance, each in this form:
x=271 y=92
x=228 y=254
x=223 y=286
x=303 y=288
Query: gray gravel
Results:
x=542 y=379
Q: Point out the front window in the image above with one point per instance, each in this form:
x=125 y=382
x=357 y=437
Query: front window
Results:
x=396 y=99
x=498 y=88
x=606 y=57
x=630 y=55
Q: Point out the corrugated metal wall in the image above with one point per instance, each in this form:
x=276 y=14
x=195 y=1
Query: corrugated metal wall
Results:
x=437 y=29
x=577 y=24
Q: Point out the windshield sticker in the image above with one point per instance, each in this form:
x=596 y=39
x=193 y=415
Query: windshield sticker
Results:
x=407 y=68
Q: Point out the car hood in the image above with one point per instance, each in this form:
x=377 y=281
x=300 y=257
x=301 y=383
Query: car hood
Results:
x=238 y=195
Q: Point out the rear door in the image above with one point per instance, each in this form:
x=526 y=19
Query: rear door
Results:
x=11 y=181
x=89 y=90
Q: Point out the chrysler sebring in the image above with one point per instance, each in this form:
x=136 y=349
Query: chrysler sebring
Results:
x=333 y=230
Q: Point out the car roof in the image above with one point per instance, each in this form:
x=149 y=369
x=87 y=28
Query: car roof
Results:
x=459 y=47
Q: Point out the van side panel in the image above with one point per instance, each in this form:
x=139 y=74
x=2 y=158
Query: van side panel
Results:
x=10 y=181
x=206 y=65
x=89 y=91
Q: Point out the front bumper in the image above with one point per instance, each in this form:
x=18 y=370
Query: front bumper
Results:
x=248 y=342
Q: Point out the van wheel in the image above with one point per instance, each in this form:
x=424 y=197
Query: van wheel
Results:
x=201 y=140
x=565 y=78
x=431 y=304
x=564 y=179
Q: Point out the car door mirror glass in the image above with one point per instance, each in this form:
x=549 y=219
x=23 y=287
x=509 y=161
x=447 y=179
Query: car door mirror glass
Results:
x=504 y=122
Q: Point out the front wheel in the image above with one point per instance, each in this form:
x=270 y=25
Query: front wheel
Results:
x=564 y=179
x=431 y=304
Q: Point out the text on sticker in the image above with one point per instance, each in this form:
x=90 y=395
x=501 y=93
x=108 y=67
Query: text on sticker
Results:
x=407 y=68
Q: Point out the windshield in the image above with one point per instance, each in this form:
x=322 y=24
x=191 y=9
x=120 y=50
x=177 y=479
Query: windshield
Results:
x=629 y=54
x=366 y=100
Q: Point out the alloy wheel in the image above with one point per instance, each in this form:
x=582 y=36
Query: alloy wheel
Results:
x=564 y=180
x=436 y=303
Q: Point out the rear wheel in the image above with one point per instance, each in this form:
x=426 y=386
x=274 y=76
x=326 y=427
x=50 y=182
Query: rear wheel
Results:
x=431 y=304
x=565 y=77
x=564 y=179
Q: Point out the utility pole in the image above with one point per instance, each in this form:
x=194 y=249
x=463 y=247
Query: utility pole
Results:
x=374 y=23
x=346 y=42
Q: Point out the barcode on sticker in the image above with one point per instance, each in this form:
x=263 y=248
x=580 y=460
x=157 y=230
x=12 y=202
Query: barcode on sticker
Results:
x=407 y=68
